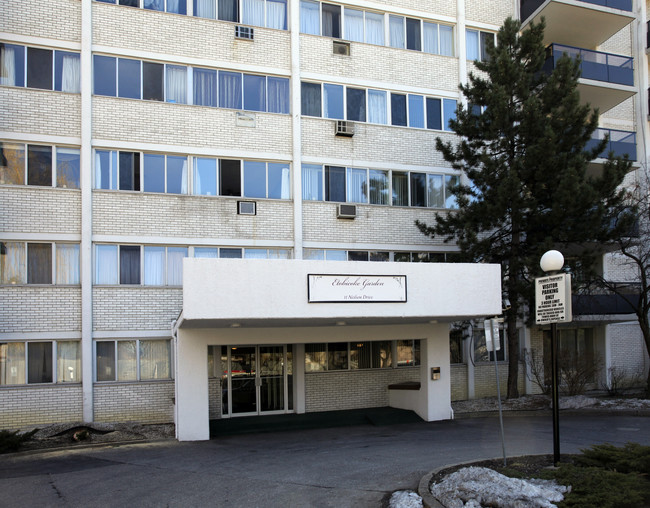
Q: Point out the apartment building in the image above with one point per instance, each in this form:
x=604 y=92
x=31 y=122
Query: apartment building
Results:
x=208 y=206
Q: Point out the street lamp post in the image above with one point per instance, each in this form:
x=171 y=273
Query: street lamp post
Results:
x=552 y=262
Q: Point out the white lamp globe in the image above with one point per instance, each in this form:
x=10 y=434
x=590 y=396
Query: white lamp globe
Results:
x=552 y=261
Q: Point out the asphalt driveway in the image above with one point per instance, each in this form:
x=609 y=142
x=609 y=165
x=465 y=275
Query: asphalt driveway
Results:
x=337 y=467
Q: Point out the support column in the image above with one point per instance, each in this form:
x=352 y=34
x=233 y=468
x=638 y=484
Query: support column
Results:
x=436 y=394
x=86 y=275
x=299 y=388
x=192 y=408
x=296 y=132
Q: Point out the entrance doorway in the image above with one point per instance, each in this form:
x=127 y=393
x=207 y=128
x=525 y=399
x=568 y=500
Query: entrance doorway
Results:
x=256 y=380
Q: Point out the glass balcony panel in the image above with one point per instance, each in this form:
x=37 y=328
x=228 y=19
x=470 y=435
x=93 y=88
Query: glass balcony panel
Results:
x=527 y=7
x=620 y=142
x=595 y=64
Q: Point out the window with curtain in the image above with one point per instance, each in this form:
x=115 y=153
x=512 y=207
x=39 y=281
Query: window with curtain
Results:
x=374 y=28
x=430 y=38
x=396 y=31
x=278 y=95
x=12 y=369
x=311 y=99
x=360 y=355
x=154 y=265
x=408 y=353
x=106 y=264
x=67 y=72
x=175 y=257
x=477 y=43
x=279 y=181
x=446 y=40
x=205 y=9
x=155 y=359
x=176 y=84
x=400 y=188
x=176 y=181
x=377 y=109
x=413 y=34
x=206 y=252
x=68 y=361
x=451 y=181
x=276 y=14
x=67 y=263
x=312 y=182
x=12 y=65
x=254 y=179
x=228 y=10
x=254 y=92
x=353 y=24
x=205 y=87
x=331 y=20
x=357 y=186
x=13 y=268
x=253 y=12
x=309 y=17
x=417 y=186
x=416 y=111
x=127 y=360
x=435 y=191
x=106 y=169
x=230 y=90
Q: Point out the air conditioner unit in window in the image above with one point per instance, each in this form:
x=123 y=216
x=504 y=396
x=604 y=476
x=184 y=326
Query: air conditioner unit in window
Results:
x=346 y=211
x=244 y=32
x=341 y=48
x=246 y=208
x=344 y=128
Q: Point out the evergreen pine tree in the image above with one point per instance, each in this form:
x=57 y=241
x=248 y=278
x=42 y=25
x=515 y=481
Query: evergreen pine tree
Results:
x=522 y=148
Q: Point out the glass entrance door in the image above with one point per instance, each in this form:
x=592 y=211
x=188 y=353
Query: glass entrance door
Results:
x=257 y=380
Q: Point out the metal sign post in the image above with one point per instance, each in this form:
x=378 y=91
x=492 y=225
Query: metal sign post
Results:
x=553 y=306
x=493 y=344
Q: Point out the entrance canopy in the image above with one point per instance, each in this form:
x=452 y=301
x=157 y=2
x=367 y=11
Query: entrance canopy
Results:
x=255 y=309
x=229 y=293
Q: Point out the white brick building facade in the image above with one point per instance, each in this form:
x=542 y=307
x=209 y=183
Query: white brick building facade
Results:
x=142 y=173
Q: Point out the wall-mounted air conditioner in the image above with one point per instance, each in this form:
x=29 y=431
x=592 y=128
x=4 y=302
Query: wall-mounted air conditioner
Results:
x=344 y=128
x=346 y=211
x=341 y=48
x=246 y=208
x=244 y=32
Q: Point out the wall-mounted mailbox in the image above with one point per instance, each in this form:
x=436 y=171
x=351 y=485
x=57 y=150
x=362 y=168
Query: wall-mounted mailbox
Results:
x=435 y=373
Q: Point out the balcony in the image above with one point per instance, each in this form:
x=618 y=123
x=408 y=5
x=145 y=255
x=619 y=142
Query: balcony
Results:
x=584 y=23
x=606 y=79
x=603 y=305
x=622 y=143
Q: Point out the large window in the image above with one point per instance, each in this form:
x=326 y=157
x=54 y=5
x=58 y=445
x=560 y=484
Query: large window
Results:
x=42 y=165
x=373 y=186
x=45 y=69
x=35 y=362
x=373 y=106
x=132 y=360
x=321 y=18
x=335 y=356
x=135 y=79
x=39 y=263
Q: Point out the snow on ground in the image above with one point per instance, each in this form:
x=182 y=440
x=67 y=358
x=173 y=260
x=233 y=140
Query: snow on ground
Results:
x=405 y=499
x=480 y=486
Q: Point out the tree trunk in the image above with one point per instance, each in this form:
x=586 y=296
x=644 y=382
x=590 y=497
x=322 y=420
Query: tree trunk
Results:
x=513 y=355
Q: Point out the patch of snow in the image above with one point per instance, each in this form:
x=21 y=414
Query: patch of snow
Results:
x=479 y=486
x=405 y=499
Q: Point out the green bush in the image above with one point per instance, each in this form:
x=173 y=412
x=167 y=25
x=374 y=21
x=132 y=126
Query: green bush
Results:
x=11 y=441
x=631 y=458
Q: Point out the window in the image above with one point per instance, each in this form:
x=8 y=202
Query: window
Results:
x=477 y=44
x=437 y=39
x=268 y=13
x=321 y=357
x=575 y=352
x=311 y=99
x=164 y=173
x=175 y=6
x=40 y=68
x=35 y=362
x=39 y=263
x=266 y=180
x=117 y=170
x=42 y=165
x=132 y=360
x=205 y=87
x=123 y=264
x=331 y=20
x=309 y=17
x=371 y=355
x=356 y=104
x=456 y=345
x=408 y=353
x=225 y=10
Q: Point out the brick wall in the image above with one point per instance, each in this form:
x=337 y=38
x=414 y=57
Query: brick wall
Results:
x=495 y=11
x=40 y=308
x=459 y=382
x=195 y=37
x=385 y=224
x=25 y=209
x=135 y=308
x=40 y=111
x=329 y=391
x=55 y=19
x=187 y=125
x=628 y=350
x=143 y=402
x=485 y=380
x=368 y=62
x=619 y=268
x=372 y=143
x=25 y=406
x=171 y=215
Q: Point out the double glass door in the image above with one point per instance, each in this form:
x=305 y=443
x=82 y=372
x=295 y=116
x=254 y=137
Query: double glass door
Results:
x=256 y=380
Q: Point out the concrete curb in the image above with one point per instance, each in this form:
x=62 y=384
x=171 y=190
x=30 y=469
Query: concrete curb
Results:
x=545 y=412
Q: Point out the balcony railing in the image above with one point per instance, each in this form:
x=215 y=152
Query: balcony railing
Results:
x=595 y=64
x=527 y=7
x=620 y=142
